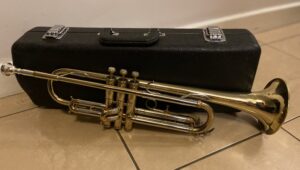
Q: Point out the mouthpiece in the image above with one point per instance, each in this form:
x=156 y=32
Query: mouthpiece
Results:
x=7 y=69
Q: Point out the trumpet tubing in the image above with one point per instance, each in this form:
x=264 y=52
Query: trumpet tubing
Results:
x=268 y=106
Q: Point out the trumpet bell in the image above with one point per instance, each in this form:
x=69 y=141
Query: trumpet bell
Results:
x=277 y=90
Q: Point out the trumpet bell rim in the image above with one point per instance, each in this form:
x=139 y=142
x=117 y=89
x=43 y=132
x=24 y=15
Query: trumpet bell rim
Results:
x=283 y=91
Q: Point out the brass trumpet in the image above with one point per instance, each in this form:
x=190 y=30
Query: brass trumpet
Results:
x=268 y=106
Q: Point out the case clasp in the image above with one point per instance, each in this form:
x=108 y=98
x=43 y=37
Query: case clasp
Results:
x=56 y=32
x=214 y=34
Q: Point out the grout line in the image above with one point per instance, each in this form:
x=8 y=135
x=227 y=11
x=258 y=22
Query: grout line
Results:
x=128 y=151
x=275 y=28
x=19 y=112
x=281 y=39
x=220 y=150
x=290 y=133
x=290 y=55
x=11 y=95
x=291 y=119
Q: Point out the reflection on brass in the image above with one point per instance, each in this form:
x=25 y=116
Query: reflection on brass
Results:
x=268 y=106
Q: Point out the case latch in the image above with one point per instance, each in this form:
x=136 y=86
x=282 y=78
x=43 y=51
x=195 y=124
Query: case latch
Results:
x=56 y=32
x=214 y=34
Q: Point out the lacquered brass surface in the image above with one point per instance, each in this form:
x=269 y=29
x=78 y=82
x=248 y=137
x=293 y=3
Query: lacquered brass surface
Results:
x=268 y=106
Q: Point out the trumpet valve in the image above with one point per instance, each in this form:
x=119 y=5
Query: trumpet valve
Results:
x=111 y=71
x=135 y=75
x=123 y=73
x=122 y=82
x=133 y=84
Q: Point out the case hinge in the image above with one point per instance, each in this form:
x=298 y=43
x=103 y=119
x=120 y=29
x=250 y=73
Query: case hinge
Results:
x=56 y=32
x=214 y=34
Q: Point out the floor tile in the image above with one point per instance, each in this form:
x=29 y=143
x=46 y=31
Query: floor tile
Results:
x=274 y=63
x=9 y=86
x=279 y=34
x=15 y=103
x=294 y=91
x=276 y=152
x=293 y=127
x=52 y=139
x=154 y=148
x=290 y=46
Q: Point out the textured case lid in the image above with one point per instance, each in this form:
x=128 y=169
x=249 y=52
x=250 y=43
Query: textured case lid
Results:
x=180 y=57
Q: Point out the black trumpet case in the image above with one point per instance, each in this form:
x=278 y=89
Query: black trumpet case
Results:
x=210 y=58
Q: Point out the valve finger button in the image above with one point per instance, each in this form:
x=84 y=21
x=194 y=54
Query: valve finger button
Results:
x=135 y=74
x=123 y=72
x=111 y=70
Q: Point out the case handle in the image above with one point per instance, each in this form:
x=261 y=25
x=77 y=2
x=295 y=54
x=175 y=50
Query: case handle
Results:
x=134 y=37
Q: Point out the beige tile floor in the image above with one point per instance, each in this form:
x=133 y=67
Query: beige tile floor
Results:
x=37 y=138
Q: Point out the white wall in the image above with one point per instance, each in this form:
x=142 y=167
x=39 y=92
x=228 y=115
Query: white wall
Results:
x=17 y=16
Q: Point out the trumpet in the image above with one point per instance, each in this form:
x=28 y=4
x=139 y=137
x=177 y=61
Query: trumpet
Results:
x=269 y=106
